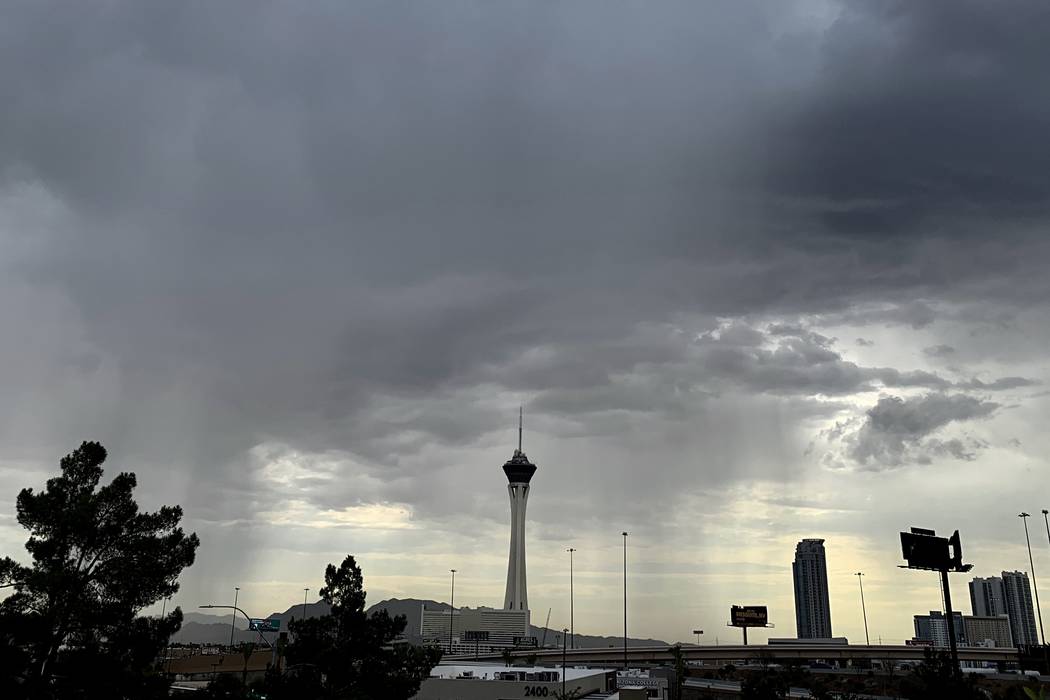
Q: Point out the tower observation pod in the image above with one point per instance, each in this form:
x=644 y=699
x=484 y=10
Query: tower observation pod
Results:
x=519 y=471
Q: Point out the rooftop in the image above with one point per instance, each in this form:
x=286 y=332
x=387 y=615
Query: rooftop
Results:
x=485 y=671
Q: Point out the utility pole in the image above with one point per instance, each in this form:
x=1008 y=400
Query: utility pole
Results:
x=564 y=636
x=624 y=600
x=572 y=624
x=1035 y=587
x=863 y=609
x=236 y=592
x=451 y=609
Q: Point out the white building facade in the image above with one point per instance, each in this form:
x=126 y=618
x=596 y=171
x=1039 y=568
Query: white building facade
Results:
x=476 y=630
x=492 y=682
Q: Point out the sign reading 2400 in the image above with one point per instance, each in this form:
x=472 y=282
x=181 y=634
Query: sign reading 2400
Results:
x=536 y=691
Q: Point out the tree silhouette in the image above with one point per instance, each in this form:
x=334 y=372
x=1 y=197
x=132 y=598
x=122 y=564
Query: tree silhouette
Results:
x=678 y=662
x=71 y=620
x=348 y=654
x=768 y=684
x=939 y=677
x=247 y=649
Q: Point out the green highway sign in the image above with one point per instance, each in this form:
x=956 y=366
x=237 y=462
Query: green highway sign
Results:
x=260 y=625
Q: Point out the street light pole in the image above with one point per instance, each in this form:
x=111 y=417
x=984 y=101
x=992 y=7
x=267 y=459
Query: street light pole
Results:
x=236 y=592
x=306 y=592
x=863 y=609
x=698 y=633
x=624 y=600
x=1035 y=587
x=246 y=617
x=572 y=624
x=451 y=609
x=564 y=635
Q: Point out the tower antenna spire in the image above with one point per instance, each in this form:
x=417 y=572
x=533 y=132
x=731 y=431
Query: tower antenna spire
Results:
x=521 y=416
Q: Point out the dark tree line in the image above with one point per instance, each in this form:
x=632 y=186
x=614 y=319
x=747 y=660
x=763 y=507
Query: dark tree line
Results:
x=70 y=626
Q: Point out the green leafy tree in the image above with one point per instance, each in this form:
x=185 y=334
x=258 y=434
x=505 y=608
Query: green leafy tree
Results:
x=1035 y=694
x=70 y=624
x=350 y=655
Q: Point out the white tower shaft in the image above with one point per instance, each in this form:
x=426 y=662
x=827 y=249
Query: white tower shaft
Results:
x=517 y=597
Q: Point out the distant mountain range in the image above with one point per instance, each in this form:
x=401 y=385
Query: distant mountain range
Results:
x=412 y=608
x=198 y=628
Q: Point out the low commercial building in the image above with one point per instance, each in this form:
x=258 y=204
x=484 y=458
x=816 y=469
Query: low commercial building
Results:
x=499 y=682
x=476 y=630
x=656 y=682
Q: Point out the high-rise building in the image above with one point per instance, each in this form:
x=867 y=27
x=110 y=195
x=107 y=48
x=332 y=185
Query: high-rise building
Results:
x=1018 y=595
x=519 y=471
x=812 y=604
x=932 y=628
x=987 y=598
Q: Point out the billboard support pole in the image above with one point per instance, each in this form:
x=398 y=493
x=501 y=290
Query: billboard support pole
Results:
x=950 y=621
x=745 y=635
x=923 y=550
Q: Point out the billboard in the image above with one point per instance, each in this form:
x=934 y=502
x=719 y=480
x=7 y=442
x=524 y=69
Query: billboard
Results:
x=748 y=616
x=259 y=625
x=525 y=642
x=475 y=636
x=922 y=549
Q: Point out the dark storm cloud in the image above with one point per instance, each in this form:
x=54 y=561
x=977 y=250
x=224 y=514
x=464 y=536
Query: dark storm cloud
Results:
x=898 y=431
x=345 y=227
x=782 y=360
x=271 y=215
x=916 y=160
x=925 y=111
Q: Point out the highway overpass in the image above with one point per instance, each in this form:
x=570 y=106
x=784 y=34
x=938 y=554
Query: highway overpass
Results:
x=755 y=653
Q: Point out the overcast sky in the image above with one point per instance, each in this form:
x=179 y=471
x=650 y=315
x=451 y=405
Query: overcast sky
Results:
x=757 y=271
